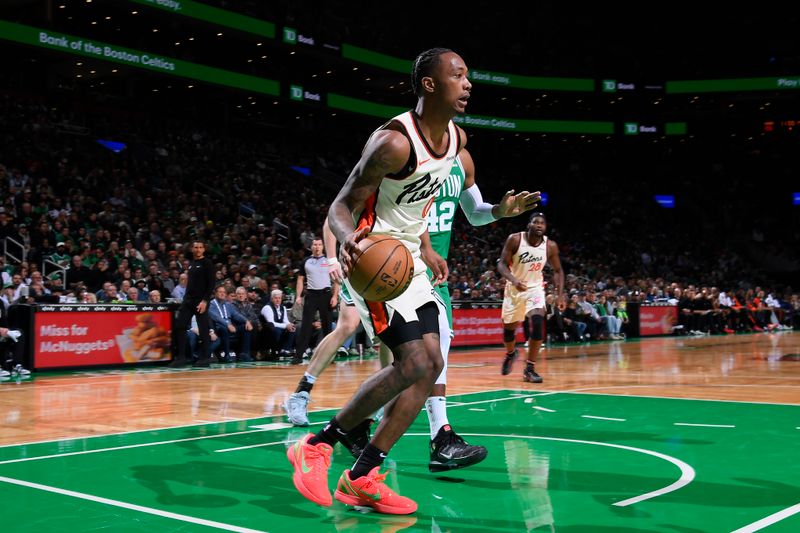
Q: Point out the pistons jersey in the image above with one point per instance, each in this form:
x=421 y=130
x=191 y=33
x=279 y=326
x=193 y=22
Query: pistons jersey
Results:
x=528 y=263
x=401 y=203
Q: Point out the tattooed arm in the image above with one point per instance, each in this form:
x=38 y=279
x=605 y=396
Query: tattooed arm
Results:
x=386 y=152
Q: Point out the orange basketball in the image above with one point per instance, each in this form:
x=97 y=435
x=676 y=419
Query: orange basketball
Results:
x=384 y=269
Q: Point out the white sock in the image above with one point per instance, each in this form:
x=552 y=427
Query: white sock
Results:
x=311 y=379
x=437 y=413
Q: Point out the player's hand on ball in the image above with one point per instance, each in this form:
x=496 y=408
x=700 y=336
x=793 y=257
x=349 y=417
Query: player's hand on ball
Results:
x=349 y=252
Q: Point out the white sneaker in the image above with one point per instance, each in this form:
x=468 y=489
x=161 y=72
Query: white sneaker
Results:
x=296 y=406
x=4 y=373
x=14 y=334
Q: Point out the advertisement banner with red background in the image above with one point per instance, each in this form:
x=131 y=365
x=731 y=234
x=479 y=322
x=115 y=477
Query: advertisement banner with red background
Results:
x=108 y=335
x=657 y=319
x=479 y=326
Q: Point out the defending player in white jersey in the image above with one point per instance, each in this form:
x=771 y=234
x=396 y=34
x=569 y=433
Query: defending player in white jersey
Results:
x=521 y=264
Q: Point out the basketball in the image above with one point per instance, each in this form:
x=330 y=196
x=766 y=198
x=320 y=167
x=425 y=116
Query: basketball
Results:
x=384 y=269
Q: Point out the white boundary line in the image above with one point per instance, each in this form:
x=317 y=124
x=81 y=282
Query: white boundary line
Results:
x=604 y=418
x=148 y=430
x=704 y=425
x=132 y=507
x=586 y=390
x=266 y=443
x=142 y=445
x=769 y=520
x=255 y=446
x=687 y=472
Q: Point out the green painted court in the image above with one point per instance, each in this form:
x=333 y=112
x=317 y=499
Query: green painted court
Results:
x=563 y=462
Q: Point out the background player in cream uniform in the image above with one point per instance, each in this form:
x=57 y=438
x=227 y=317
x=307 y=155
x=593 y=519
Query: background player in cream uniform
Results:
x=522 y=263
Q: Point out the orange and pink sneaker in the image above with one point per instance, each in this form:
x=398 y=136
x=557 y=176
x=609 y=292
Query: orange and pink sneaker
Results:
x=371 y=491
x=311 y=463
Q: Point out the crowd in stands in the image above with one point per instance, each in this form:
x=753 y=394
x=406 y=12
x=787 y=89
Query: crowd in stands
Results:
x=79 y=223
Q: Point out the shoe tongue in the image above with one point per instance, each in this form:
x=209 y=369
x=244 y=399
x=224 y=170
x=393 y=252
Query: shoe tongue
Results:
x=375 y=476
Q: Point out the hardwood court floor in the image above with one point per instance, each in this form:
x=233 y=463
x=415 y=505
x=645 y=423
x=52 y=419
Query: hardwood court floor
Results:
x=602 y=445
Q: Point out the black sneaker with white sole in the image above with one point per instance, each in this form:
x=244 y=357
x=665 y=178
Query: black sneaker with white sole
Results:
x=529 y=375
x=508 y=362
x=449 y=451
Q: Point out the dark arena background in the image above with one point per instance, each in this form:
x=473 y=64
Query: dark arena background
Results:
x=665 y=140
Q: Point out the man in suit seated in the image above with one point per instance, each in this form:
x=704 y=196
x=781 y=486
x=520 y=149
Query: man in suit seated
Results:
x=224 y=318
x=280 y=330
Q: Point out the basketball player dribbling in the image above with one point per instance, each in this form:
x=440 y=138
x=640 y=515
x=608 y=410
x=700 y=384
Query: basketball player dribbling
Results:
x=448 y=451
x=521 y=262
x=389 y=192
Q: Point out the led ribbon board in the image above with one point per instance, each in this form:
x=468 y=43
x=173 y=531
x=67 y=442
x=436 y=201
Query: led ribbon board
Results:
x=70 y=44
x=213 y=15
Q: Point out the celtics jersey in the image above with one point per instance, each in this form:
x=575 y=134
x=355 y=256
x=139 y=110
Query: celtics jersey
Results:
x=443 y=211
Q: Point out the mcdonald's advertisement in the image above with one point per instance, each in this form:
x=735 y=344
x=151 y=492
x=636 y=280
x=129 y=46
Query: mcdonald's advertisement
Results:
x=81 y=336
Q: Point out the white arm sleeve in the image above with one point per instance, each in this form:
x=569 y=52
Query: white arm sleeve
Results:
x=478 y=212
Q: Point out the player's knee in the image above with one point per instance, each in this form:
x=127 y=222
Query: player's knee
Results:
x=537 y=327
x=508 y=335
x=418 y=364
x=436 y=365
x=349 y=324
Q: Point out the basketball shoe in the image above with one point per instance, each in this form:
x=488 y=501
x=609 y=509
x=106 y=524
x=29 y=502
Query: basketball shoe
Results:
x=529 y=375
x=311 y=463
x=449 y=451
x=508 y=362
x=371 y=491
x=296 y=406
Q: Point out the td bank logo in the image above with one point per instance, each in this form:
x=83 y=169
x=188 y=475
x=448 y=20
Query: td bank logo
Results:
x=609 y=86
x=289 y=35
x=631 y=128
x=295 y=92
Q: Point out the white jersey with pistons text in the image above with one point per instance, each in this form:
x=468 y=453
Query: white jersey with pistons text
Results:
x=400 y=205
x=528 y=263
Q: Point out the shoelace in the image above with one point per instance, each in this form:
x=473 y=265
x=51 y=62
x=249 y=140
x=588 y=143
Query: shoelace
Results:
x=372 y=482
x=457 y=438
x=451 y=437
x=313 y=454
